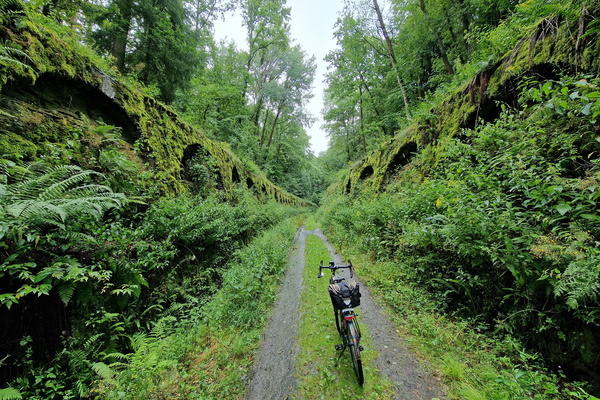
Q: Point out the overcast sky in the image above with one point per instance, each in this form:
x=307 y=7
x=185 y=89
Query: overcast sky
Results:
x=312 y=27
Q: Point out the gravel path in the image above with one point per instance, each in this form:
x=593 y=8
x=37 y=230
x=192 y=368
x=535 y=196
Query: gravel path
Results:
x=273 y=376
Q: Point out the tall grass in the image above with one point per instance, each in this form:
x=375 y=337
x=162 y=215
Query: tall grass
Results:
x=209 y=353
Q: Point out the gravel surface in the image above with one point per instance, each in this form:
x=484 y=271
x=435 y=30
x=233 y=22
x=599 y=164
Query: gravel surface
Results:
x=273 y=376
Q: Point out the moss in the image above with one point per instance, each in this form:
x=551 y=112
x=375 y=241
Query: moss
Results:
x=549 y=46
x=159 y=135
x=14 y=147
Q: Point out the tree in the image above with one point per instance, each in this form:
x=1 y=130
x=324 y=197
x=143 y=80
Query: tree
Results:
x=213 y=100
x=286 y=95
x=166 y=51
x=392 y=55
x=361 y=106
x=267 y=25
x=152 y=39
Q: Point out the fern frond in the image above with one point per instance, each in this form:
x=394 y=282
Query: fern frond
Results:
x=117 y=356
x=77 y=358
x=60 y=188
x=43 y=197
x=78 y=237
x=9 y=9
x=103 y=370
x=163 y=327
x=66 y=291
x=31 y=208
x=93 y=339
x=10 y=394
x=138 y=341
x=87 y=190
x=9 y=56
x=81 y=388
x=580 y=283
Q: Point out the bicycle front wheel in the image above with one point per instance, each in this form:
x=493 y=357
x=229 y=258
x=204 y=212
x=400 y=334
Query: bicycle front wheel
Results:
x=354 y=339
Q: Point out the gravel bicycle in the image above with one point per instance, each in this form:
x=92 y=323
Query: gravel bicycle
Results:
x=345 y=295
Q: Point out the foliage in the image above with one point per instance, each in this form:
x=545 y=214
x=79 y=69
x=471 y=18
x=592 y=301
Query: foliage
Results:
x=191 y=356
x=136 y=280
x=255 y=100
x=501 y=230
x=472 y=364
x=10 y=394
x=38 y=207
x=433 y=45
x=10 y=57
x=86 y=274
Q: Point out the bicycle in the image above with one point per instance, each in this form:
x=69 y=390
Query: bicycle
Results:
x=345 y=295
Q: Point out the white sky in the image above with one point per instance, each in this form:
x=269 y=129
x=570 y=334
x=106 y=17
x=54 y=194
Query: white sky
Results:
x=312 y=27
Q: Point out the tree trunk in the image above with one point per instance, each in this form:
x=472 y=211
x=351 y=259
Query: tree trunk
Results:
x=263 y=131
x=392 y=56
x=362 y=121
x=438 y=39
x=119 y=42
x=273 y=127
x=373 y=103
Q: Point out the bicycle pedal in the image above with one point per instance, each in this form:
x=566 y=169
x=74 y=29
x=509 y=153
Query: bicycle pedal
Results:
x=360 y=347
x=339 y=347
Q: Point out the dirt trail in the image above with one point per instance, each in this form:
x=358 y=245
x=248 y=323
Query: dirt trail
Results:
x=273 y=376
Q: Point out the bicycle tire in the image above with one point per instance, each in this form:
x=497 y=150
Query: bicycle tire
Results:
x=354 y=344
x=338 y=320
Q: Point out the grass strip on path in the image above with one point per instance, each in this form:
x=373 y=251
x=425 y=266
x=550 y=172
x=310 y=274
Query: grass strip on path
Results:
x=318 y=375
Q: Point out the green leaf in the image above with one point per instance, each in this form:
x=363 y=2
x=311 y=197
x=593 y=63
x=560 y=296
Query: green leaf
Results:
x=8 y=299
x=587 y=109
x=590 y=217
x=563 y=208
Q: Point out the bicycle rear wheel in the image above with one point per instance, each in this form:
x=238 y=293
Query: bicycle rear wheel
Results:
x=354 y=344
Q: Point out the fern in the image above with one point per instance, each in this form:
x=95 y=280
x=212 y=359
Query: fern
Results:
x=580 y=283
x=117 y=356
x=10 y=8
x=10 y=394
x=93 y=339
x=9 y=56
x=66 y=291
x=139 y=340
x=45 y=198
x=103 y=370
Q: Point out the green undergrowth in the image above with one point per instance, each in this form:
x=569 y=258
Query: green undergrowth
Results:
x=500 y=233
x=474 y=366
x=209 y=353
x=310 y=224
x=318 y=375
